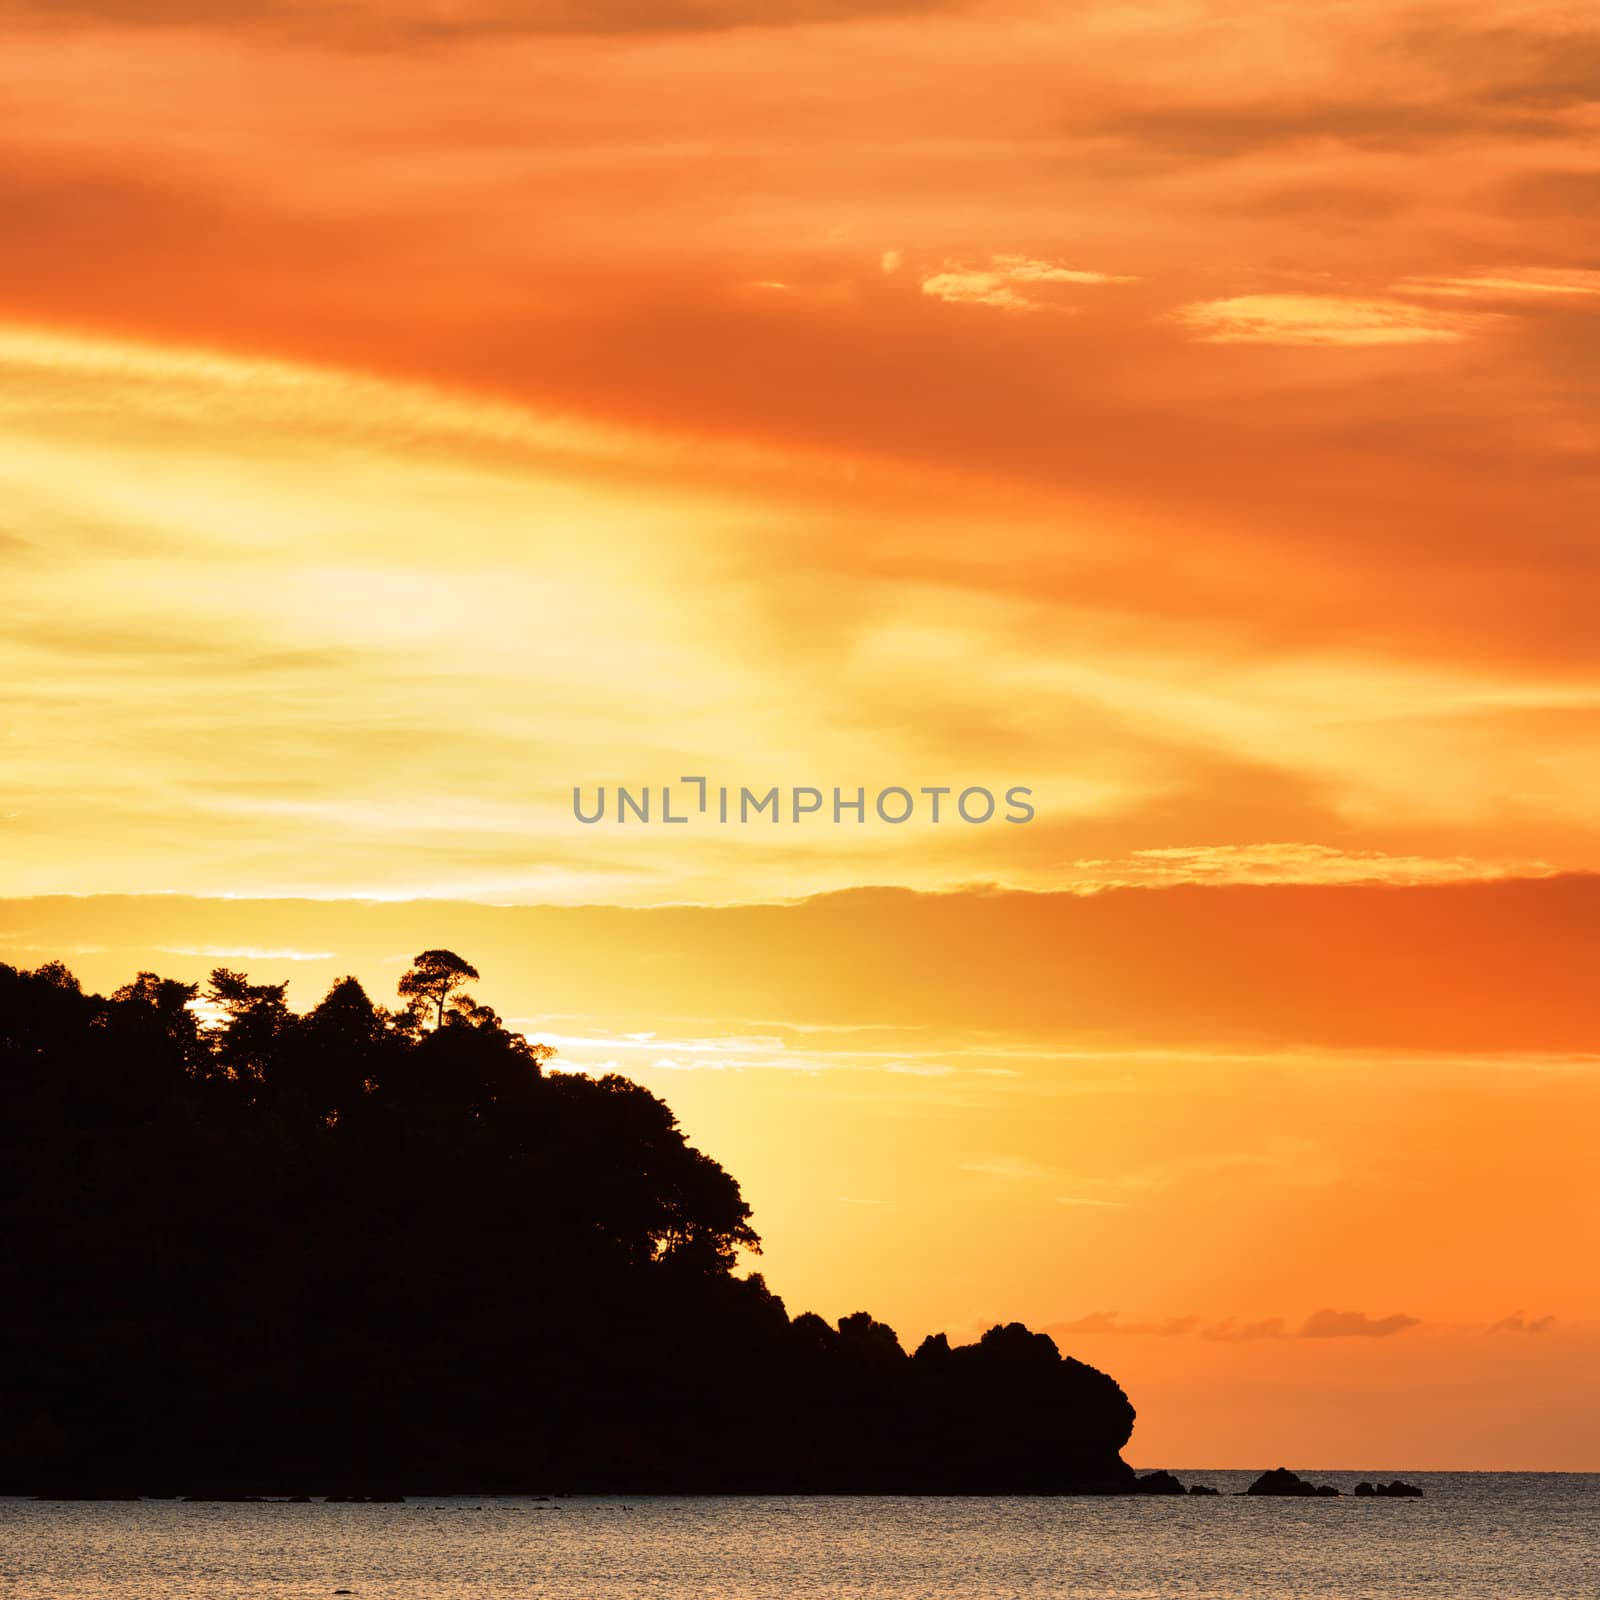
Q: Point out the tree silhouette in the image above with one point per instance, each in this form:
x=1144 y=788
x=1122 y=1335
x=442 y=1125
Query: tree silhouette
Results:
x=256 y=1014
x=434 y=977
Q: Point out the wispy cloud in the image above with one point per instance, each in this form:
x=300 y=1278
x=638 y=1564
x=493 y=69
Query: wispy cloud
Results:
x=1295 y=861
x=1329 y=320
x=1013 y=1169
x=1230 y=1330
x=1109 y=1322
x=229 y=952
x=1330 y=1324
x=424 y=24
x=1011 y=283
x=1517 y=1322
x=1529 y=282
x=669 y=1064
x=1324 y=1324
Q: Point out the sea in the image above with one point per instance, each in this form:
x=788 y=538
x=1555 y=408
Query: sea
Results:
x=1474 y=1536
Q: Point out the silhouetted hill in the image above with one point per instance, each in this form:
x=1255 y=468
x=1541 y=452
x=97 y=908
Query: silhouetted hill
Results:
x=363 y=1249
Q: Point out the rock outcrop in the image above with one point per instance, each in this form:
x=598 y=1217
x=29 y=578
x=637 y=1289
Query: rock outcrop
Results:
x=1281 y=1481
x=1160 y=1483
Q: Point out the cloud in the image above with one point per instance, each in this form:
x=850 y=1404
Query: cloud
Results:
x=1329 y=1324
x=1245 y=126
x=1014 y=1169
x=812 y=1051
x=214 y=952
x=1325 y=1324
x=642 y=1050
x=1330 y=320
x=1296 y=862
x=1232 y=1331
x=1080 y=1200
x=1518 y=1323
x=1109 y=1323
x=398 y=24
x=1531 y=76
x=669 y=1064
x=1423 y=87
x=56 y=950
x=1010 y=283
x=1531 y=283
x=1549 y=195
x=1416 y=977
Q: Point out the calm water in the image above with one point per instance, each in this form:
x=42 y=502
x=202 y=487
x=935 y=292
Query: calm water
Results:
x=1476 y=1537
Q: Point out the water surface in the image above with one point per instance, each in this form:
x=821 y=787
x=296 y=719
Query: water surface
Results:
x=1515 y=1536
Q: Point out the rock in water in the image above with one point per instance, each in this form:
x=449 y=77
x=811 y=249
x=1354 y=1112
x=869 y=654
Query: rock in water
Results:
x=1159 y=1483
x=1281 y=1481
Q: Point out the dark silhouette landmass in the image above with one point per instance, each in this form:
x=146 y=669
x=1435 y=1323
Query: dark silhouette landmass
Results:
x=364 y=1252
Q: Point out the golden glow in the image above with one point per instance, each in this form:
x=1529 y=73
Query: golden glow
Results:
x=346 y=636
x=409 y=413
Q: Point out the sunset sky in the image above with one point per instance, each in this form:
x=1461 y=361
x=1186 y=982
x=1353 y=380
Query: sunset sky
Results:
x=411 y=410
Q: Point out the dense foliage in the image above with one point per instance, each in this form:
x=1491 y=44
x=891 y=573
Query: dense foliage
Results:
x=356 y=1249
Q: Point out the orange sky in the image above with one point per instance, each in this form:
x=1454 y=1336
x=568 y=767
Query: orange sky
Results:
x=411 y=410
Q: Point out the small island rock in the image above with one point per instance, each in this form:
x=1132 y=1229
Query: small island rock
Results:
x=1160 y=1483
x=1281 y=1481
